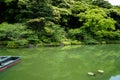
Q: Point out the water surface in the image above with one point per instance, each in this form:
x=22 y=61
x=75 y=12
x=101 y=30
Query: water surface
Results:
x=64 y=63
x=117 y=77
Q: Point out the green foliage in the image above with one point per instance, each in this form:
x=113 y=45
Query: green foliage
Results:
x=102 y=3
x=62 y=3
x=59 y=33
x=16 y=35
x=7 y=1
x=9 y=11
x=54 y=31
x=61 y=15
x=75 y=34
x=78 y=7
x=97 y=23
x=11 y=44
x=37 y=9
x=36 y=24
x=115 y=14
x=75 y=42
x=58 y=22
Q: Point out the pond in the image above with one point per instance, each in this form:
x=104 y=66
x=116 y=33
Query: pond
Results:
x=64 y=63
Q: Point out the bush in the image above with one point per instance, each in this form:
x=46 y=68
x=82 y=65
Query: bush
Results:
x=11 y=44
x=36 y=24
x=15 y=35
x=52 y=33
x=75 y=34
x=76 y=42
x=59 y=33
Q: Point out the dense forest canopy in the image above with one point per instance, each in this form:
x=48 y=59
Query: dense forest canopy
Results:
x=55 y=22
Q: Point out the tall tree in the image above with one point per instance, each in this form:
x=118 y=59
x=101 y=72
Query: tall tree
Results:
x=102 y=3
x=8 y=10
x=38 y=8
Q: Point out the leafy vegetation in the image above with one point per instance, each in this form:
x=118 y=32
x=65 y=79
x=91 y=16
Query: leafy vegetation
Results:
x=61 y=22
x=16 y=35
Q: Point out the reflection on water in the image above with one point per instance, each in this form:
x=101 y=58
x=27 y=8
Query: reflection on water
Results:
x=64 y=63
x=115 y=77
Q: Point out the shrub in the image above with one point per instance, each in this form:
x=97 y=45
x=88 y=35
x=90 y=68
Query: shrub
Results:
x=52 y=33
x=15 y=35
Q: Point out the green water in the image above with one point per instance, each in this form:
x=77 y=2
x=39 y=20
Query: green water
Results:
x=64 y=63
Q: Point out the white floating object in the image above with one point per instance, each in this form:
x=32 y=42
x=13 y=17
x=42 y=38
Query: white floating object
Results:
x=91 y=73
x=100 y=71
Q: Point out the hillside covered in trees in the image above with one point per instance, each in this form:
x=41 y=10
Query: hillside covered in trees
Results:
x=58 y=22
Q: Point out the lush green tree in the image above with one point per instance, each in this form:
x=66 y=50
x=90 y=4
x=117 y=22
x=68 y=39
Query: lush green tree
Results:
x=77 y=8
x=85 y=1
x=62 y=3
x=9 y=9
x=37 y=9
x=102 y=3
x=115 y=14
x=97 y=24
